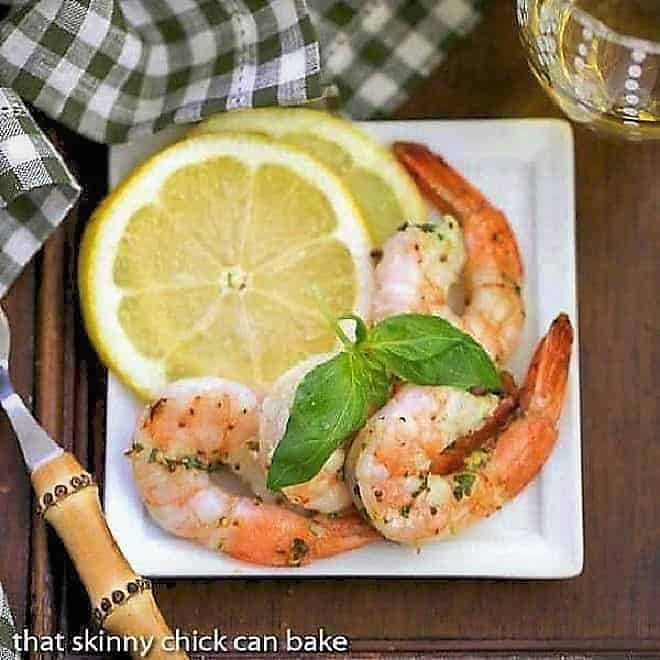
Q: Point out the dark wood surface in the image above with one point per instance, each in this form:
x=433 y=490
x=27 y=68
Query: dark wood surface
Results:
x=613 y=606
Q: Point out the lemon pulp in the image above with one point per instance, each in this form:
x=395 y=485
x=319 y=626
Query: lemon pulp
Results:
x=384 y=192
x=206 y=260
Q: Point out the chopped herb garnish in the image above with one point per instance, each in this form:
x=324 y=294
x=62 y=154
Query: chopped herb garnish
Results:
x=476 y=460
x=135 y=449
x=424 y=485
x=191 y=462
x=156 y=407
x=463 y=483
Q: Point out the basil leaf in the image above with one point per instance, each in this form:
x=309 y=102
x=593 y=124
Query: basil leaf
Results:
x=428 y=350
x=377 y=382
x=331 y=402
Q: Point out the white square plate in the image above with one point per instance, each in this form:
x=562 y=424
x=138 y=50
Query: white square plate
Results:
x=526 y=168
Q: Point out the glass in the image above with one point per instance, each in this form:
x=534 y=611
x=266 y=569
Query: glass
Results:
x=599 y=60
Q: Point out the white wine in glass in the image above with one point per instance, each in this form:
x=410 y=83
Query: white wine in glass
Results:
x=599 y=60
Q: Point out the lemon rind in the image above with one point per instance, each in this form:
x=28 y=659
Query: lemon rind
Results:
x=101 y=239
x=367 y=152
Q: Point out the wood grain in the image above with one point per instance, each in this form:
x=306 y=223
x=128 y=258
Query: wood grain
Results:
x=614 y=607
x=49 y=370
x=15 y=495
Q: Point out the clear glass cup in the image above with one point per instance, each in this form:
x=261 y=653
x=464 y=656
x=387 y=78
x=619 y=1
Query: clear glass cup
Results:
x=599 y=60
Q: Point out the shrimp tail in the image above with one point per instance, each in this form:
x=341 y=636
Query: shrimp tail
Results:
x=335 y=534
x=544 y=387
x=523 y=448
x=483 y=224
x=270 y=534
x=444 y=187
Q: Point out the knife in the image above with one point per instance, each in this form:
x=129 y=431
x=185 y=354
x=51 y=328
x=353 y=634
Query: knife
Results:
x=68 y=499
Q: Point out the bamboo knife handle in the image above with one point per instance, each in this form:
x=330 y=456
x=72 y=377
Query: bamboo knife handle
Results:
x=122 y=601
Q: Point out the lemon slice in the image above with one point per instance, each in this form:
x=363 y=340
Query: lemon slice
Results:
x=383 y=190
x=203 y=262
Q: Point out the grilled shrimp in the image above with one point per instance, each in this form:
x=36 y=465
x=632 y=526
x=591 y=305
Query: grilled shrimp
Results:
x=419 y=266
x=393 y=463
x=426 y=262
x=326 y=492
x=182 y=438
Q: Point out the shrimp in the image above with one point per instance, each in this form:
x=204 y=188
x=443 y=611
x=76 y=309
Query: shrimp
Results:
x=419 y=266
x=187 y=434
x=326 y=491
x=393 y=461
x=452 y=457
x=494 y=311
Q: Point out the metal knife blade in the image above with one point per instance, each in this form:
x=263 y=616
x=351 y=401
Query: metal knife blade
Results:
x=37 y=446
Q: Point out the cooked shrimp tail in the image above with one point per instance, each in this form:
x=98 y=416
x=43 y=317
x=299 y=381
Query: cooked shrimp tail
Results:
x=545 y=382
x=444 y=187
x=272 y=535
x=522 y=450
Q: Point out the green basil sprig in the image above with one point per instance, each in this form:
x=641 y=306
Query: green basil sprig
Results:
x=428 y=350
x=334 y=399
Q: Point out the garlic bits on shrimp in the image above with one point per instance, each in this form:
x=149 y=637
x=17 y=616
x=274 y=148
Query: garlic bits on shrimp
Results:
x=421 y=262
x=193 y=428
x=396 y=462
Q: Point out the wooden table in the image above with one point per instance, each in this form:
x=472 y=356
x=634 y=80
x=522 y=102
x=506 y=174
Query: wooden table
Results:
x=613 y=606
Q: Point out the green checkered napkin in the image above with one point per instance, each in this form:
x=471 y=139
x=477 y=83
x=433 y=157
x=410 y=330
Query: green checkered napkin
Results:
x=114 y=70
x=376 y=51
x=36 y=188
x=6 y=630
